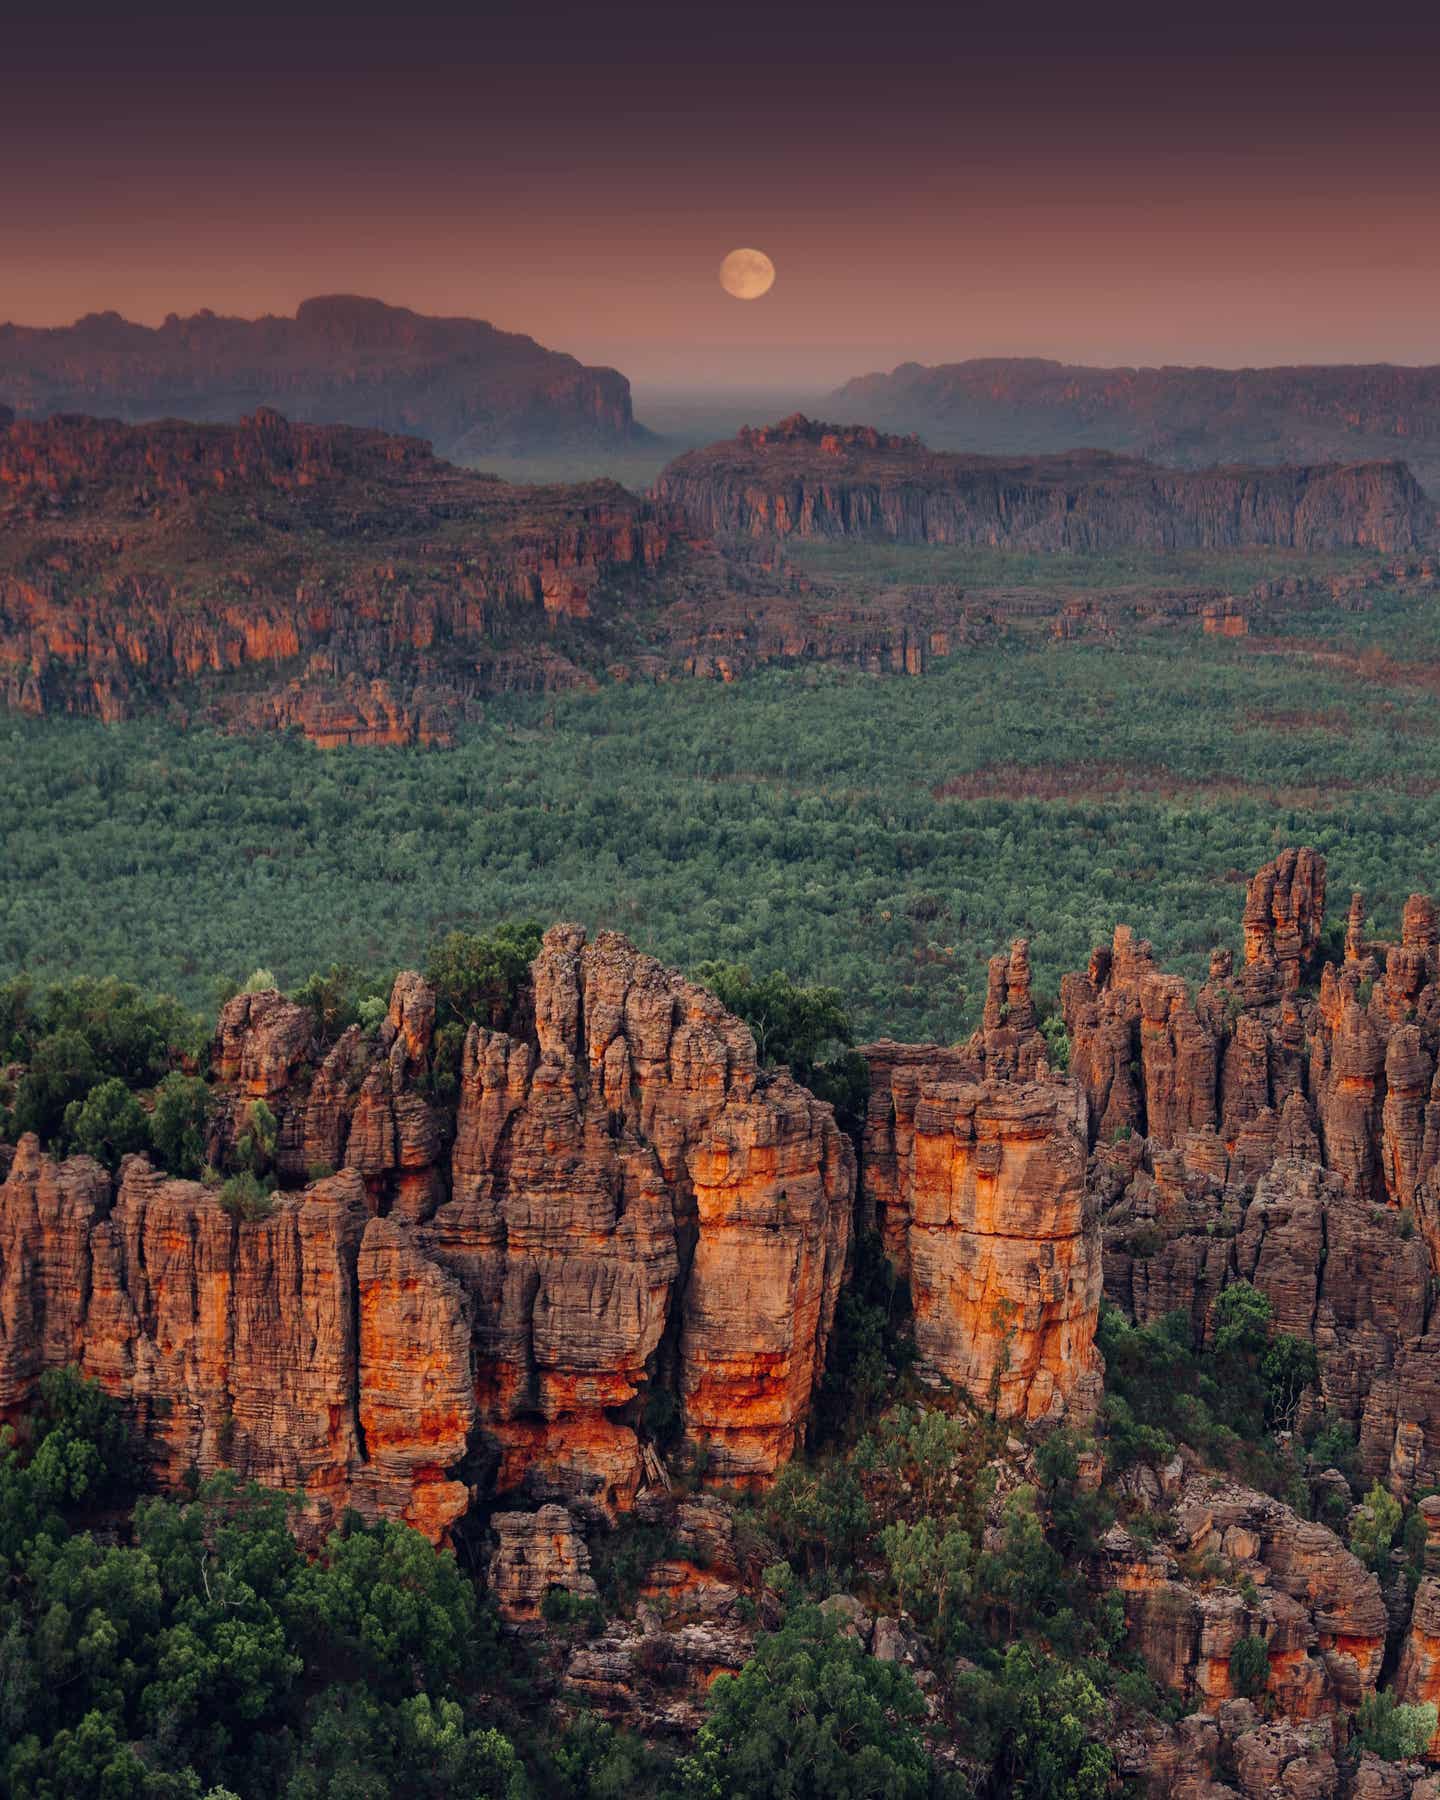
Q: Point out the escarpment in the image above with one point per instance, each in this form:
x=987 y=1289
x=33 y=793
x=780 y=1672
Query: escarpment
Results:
x=379 y=588
x=1193 y=417
x=808 y=479
x=342 y=359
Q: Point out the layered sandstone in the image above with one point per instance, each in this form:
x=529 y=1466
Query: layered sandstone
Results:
x=804 y=478
x=628 y=1238
x=1281 y=1126
x=637 y=1206
x=1193 y=417
x=974 y=1175
x=1284 y=1579
x=341 y=360
x=400 y=582
x=314 y=1349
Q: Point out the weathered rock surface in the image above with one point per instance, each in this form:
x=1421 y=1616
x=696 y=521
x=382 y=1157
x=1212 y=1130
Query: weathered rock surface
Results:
x=810 y=479
x=976 y=1183
x=1319 y=1610
x=312 y=1349
x=635 y=1205
x=1193 y=417
x=631 y=1210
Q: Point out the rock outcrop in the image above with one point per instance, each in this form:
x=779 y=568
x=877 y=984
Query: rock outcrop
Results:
x=1284 y=1579
x=1281 y=1126
x=341 y=360
x=973 y=1172
x=1193 y=417
x=627 y=1238
x=803 y=478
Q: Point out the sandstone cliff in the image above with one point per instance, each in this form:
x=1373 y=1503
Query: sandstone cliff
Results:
x=1280 y=1126
x=341 y=360
x=806 y=479
x=1192 y=417
x=627 y=1239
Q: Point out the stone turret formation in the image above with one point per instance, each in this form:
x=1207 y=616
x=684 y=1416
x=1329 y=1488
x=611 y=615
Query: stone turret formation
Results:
x=623 y=1240
x=623 y=1203
x=973 y=1172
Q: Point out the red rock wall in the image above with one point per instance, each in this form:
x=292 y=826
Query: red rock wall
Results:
x=630 y=1208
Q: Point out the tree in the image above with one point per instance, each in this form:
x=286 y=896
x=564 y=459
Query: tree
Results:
x=179 y=1125
x=108 y=1123
x=792 y=1024
x=476 y=975
x=930 y=1567
x=62 y=1068
x=810 y=1717
x=1396 y=1732
x=1288 y=1367
x=254 y=1149
x=401 y=1611
x=1034 y=1720
x=819 y=1515
x=1250 y=1666
x=1374 y=1527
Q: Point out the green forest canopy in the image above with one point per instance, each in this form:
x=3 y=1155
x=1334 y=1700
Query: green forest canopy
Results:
x=798 y=820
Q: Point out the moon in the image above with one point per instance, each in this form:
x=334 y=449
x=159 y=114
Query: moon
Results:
x=747 y=274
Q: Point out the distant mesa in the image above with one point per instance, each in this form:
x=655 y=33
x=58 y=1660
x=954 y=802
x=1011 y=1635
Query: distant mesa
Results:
x=1187 y=417
x=804 y=478
x=343 y=359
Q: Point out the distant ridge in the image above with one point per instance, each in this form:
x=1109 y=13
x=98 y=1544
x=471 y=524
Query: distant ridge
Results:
x=1189 y=417
x=805 y=478
x=343 y=359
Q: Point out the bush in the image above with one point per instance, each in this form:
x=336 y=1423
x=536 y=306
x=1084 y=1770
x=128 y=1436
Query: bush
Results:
x=1397 y=1733
x=108 y=1124
x=1250 y=1666
x=245 y=1199
x=179 y=1125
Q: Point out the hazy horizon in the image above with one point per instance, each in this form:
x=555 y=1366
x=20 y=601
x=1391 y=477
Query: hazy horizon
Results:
x=1118 y=190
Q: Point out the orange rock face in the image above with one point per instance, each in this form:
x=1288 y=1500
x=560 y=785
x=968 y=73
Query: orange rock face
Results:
x=635 y=1229
x=978 y=1188
x=1281 y=1578
x=237 y=1344
x=635 y=1208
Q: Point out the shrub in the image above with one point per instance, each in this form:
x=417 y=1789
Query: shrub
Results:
x=1250 y=1666
x=245 y=1199
x=108 y=1124
x=1395 y=1732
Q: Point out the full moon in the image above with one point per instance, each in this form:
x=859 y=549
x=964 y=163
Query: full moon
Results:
x=747 y=274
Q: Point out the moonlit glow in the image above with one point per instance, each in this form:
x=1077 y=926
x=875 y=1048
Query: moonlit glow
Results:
x=747 y=274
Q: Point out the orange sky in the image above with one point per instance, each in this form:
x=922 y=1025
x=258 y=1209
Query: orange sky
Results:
x=931 y=184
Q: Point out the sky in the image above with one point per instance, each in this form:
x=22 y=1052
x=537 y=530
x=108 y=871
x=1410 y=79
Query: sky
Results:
x=1100 y=184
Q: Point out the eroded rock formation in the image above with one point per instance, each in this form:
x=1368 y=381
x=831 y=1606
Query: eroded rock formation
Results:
x=973 y=1172
x=624 y=1225
x=341 y=360
x=808 y=479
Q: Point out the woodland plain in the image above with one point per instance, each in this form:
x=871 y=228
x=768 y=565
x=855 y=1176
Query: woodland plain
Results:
x=879 y=834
